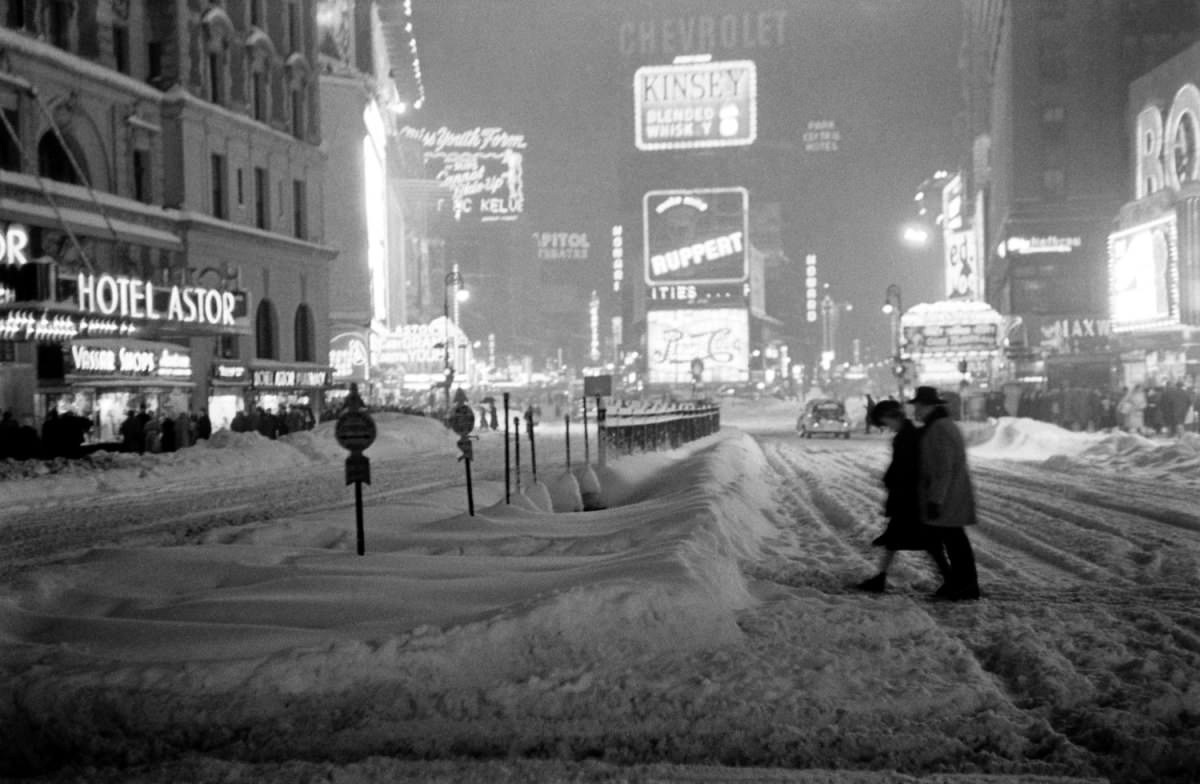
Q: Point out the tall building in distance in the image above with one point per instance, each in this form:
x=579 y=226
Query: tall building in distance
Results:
x=1046 y=85
x=161 y=171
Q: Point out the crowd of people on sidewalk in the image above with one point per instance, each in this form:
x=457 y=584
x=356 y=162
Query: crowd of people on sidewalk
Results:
x=269 y=424
x=1149 y=409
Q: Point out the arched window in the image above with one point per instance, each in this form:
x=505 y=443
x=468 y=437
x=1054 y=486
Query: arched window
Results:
x=298 y=74
x=266 y=331
x=53 y=161
x=304 y=334
x=218 y=31
x=260 y=55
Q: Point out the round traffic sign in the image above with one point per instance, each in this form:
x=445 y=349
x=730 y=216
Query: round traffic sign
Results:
x=462 y=419
x=355 y=430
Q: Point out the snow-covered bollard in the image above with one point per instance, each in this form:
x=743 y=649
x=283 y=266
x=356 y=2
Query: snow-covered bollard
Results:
x=565 y=495
x=539 y=495
x=589 y=488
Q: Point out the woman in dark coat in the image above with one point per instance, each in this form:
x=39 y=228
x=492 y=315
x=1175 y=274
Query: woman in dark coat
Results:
x=905 y=530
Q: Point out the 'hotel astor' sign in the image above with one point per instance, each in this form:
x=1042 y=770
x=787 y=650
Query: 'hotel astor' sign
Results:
x=129 y=298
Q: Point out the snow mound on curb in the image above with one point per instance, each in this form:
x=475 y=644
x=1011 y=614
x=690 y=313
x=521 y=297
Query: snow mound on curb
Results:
x=1032 y=440
x=225 y=455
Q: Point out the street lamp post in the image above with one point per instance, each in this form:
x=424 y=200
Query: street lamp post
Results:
x=453 y=278
x=893 y=306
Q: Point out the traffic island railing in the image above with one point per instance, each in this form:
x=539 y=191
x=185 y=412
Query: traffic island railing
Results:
x=664 y=426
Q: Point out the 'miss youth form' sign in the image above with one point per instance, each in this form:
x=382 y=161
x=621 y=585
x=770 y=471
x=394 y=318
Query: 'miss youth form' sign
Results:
x=695 y=105
x=696 y=236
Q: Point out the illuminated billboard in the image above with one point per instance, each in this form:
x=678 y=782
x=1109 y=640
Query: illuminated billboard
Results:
x=696 y=236
x=1143 y=276
x=695 y=105
x=718 y=337
x=483 y=168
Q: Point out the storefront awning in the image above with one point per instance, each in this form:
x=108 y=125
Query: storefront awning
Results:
x=90 y=224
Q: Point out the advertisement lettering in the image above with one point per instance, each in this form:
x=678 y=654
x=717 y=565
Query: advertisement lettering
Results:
x=696 y=237
x=128 y=298
x=695 y=105
x=482 y=167
x=821 y=136
x=348 y=356
x=719 y=338
x=561 y=245
x=1156 y=160
x=13 y=242
x=700 y=33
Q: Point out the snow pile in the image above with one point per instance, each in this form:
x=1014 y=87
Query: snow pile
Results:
x=176 y=644
x=224 y=456
x=1032 y=440
x=1131 y=452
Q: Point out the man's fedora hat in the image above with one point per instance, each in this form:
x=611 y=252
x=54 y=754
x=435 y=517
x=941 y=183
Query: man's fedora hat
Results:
x=927 y=396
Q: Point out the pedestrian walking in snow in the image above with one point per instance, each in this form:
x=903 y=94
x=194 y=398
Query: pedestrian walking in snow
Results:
x=947 y=499
x=905 y=529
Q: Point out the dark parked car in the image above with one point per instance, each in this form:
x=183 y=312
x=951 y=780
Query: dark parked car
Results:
x=823 y=417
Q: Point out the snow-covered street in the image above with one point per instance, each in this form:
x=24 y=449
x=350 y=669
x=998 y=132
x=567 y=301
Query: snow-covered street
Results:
x=210 y=621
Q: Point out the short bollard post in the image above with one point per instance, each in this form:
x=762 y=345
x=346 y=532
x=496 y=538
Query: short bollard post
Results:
x=355 y=431
x=462 y=421
x=517 y=445
x=507 y=492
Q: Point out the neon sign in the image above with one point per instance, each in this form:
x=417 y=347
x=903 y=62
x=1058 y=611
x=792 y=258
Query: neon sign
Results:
x=561 y=245
x=1168 y=152
x=821 y=136
x=121 y=297
x=348 y=356
x=47 y=326
x=1143 y=276
x=130 y=361
x=696 y=237
x=1025 y=246
x=13 y=242
x=695 y=105
x=483 y=168
x=718 y=337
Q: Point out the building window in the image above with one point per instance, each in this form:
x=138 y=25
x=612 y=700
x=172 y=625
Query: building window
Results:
x=1054 y=184
x=1054 y=123
x=58 y=23
x=241 y=193
x=304 y=335
x=10 y=148
x=257 y=15
x=53 y=161
x=266 y=331
x=293 y=27
x=300 y=209
x=261 y=198
x=220 y=194
x=227 y=347
x=1052 y=61
x=15 y=18
x=120 y=44
x=298 y=112
x=154 y=62
x=141 y=176
x=216 y=77
x=258 y=94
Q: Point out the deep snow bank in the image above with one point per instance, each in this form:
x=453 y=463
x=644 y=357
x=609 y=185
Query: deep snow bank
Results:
x=1032 y=440
x=225 y=456
x=186 y=645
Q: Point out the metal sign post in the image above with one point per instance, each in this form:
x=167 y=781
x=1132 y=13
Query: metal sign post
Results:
x=507 y=492
x=517 y=442
x=601 y=414
x=587 y=455
x=530 y=421
x=567 y=431
x=355 y=431
x=462 y=421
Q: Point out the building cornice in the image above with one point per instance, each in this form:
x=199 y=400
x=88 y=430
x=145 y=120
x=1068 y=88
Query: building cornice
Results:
x=178 y=97
x=189 y=220
x=20 y=43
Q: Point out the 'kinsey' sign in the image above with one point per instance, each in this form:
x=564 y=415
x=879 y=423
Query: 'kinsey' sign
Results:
x=122 y=297
x=692 y=105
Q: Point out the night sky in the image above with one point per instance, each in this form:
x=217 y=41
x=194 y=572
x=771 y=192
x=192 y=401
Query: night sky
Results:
x=886 y=71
